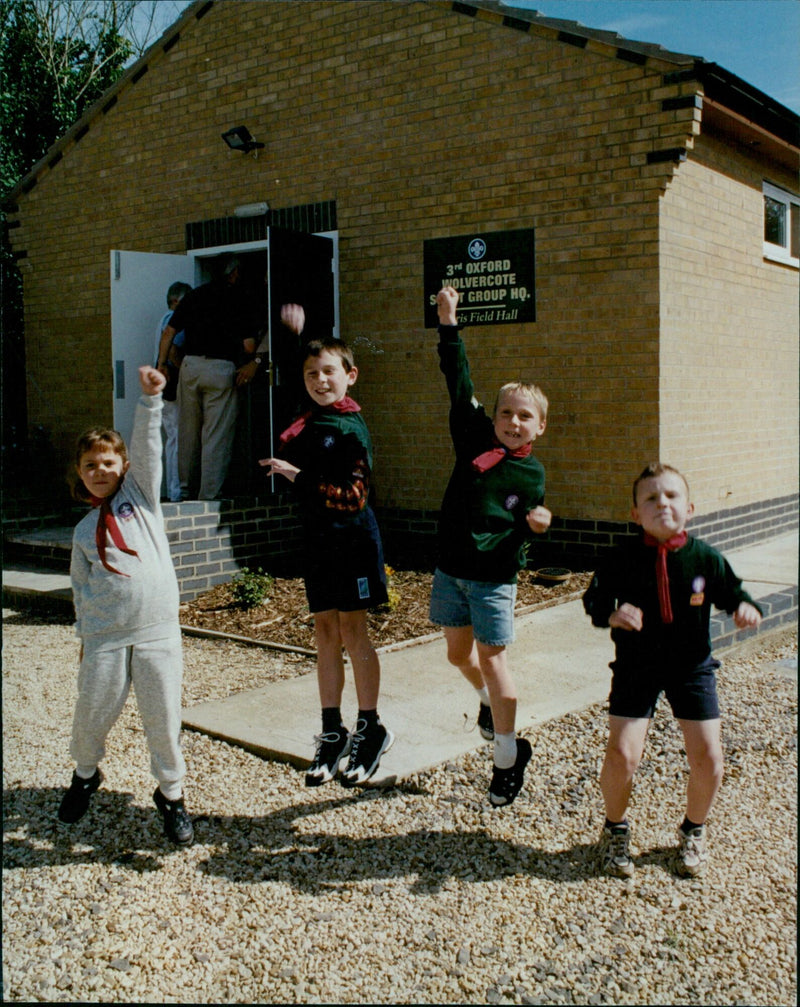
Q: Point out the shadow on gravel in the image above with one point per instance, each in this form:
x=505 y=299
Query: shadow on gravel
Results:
x=277 y=848
x=273 y=847
x=113 y=831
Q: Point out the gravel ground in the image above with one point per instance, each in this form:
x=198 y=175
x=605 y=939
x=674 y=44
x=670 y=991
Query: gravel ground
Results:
x=418 y=894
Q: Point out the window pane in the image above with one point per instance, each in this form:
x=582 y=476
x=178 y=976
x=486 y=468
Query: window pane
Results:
x=774 y=221
x=795 y=222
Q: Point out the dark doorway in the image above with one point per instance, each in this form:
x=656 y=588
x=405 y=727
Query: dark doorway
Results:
x=294 y=268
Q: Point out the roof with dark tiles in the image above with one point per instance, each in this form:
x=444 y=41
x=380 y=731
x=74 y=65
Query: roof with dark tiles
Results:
x=723 y=87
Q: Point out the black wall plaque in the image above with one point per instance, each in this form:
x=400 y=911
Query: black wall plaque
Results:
x=492 y=271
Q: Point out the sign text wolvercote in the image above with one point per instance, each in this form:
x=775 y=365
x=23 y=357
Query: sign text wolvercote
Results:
x=493 y=273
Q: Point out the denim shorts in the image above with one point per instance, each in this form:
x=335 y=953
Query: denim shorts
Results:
x=692 y=695
x=487 y=608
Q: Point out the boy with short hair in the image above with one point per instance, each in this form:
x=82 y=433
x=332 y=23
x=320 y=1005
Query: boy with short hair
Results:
x=492 y=505
x=656 y=596
x=327 y=456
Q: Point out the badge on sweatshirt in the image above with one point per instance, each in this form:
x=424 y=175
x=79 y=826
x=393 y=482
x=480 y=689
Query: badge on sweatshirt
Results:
x=125 y=511
x=698 y=591
x=511 y=501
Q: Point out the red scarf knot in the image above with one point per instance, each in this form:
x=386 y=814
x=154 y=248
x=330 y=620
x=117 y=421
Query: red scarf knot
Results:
x=662 y=577
x=107 y=524
x=345 y=405
x=495 y=455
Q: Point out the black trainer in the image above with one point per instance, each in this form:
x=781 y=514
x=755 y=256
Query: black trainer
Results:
x=177 y=824
x=368 y=745
x=507 y=783
x=485 y=722
x=76 y=800
x=332 y=747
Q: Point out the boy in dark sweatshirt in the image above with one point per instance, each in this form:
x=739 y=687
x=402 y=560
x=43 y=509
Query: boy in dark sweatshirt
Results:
x=327 y=455
x=656 y=596
x=492 y=506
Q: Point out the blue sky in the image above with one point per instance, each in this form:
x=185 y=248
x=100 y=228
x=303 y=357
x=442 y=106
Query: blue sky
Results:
x=758 y=40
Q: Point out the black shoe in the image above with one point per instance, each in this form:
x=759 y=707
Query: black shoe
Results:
x=485 y=722
x=76 y=800
x=177 y=824
x=507 y=783
x=332 y=747
x=368 y=745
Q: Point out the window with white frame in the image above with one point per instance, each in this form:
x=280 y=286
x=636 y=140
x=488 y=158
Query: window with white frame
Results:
x=781 y=225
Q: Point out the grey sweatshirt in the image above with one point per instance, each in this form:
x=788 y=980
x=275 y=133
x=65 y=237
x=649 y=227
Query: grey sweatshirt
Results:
x=112 y=610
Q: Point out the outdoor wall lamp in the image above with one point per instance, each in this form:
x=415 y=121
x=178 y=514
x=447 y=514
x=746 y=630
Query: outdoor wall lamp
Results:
x=239 y=138
x=251 y=210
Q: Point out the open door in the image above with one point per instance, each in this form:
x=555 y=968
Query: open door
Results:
x=287 y=267
x=139 y=282
x=300 y=272
x=293 y=268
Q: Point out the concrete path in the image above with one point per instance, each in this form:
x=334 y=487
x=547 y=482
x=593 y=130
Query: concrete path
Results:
x=559 y=662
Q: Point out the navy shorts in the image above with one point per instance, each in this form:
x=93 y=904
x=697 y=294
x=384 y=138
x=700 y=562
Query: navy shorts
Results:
x=692 y=695
x=344 y=570
x=487 y=608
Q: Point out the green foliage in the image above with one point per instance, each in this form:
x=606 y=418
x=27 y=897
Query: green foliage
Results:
x=250 y=587
x=56 y=60
x=57 y=57
x=394 y=595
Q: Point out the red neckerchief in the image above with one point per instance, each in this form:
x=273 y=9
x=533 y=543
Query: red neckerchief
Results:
x=493 y=457
x=662 y=577
x=345 y=405
x=107 y=523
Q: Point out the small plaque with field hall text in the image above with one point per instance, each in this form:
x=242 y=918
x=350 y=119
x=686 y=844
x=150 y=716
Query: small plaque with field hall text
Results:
x=492 y=271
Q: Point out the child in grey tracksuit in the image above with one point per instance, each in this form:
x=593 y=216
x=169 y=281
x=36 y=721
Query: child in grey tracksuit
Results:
x=126 y=604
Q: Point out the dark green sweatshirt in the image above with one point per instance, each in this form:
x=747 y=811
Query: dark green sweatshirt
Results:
x=699 y=577
x=334 y=455
x=482 y=525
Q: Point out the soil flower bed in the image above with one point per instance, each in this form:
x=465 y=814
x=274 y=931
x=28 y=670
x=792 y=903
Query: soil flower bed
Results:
x=283 y=617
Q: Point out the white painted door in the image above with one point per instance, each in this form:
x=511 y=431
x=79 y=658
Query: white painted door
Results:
x=139 y=282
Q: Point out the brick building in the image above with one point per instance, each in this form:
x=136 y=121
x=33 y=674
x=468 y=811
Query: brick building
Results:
x=661 y=190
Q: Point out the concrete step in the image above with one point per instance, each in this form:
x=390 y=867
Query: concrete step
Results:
x=48 y=549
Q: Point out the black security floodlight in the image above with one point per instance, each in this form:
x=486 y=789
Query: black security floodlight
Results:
x=239 y=138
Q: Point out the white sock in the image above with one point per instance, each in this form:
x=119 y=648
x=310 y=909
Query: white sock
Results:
x=172 y=792
x=505 y=750
x=483 y=695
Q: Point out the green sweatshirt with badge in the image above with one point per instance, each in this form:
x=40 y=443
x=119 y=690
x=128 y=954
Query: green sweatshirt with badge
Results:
x=699 y=576
x=483 y=529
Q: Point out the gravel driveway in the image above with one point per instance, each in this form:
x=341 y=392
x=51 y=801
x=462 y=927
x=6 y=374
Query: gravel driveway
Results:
x=418 y=894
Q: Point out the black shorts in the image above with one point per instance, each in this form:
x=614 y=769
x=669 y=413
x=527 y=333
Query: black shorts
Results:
x=692 y=694
x=344 y=569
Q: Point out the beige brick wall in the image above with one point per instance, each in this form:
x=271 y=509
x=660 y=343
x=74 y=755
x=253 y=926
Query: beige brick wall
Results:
x=729 y=335
x=420 y=123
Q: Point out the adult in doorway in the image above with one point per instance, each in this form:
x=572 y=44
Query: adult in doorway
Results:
x=220 y=325
x=169 y=415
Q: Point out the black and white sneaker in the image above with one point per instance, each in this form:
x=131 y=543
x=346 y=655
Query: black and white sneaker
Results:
x=75 y=802
x=177 y=824
x=507 y=783
x=332 y=747
x=485 y=722
x=368 y=745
